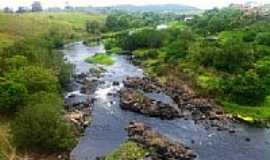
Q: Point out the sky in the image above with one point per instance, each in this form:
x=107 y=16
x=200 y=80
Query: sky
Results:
x=203 y=4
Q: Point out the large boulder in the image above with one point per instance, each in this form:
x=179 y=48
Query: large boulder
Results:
x=135 y=101
x=164 y=149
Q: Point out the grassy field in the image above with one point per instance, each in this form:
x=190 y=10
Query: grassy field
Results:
x=16 y=26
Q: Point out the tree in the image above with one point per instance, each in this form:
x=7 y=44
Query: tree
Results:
x=111 y=23
x=93 y=27
x=40 y=125
x=34 y=78
x=22 y=9
x=8 y=10
x=36 y=6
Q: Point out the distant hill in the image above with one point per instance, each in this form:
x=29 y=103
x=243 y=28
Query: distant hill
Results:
x=155 y=8
x=166 y=8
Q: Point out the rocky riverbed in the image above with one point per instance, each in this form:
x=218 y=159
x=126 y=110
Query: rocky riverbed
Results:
x=116 y=95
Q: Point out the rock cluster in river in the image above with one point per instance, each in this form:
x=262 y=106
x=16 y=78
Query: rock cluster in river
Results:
x=190 y=106
x=79 y=105
x=79 y=114
x=131 y=99
x=162 y=147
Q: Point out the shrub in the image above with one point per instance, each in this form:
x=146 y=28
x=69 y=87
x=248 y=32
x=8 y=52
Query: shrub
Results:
x=12 y=95
x=41 y=126
x=128 y=151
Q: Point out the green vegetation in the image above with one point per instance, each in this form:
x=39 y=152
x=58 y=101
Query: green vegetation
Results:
x=260 y=112
x=224 y=52
x=128 y=151
x=32 y=76
x=100 y=58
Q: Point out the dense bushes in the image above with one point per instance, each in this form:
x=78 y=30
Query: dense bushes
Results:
x=34 y=78
x=40 y=125
x=12 y=96
x=119 y=21
x=245 y=88
x=231 y=56
x=263 y=38
x=146 y=38
x=217 y=20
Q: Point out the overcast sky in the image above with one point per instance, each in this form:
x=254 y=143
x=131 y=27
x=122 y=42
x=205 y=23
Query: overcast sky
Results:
x=203 y=4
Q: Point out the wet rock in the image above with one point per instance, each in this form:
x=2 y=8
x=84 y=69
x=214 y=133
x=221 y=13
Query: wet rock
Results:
x=96 y=72
x=247 y=139
x=141 y=83
x=164 y=149
x=80 y=118
x=232 y=131
x=116 y=83
x=135 y=101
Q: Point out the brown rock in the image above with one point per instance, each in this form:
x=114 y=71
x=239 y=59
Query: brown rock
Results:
x=165 y=149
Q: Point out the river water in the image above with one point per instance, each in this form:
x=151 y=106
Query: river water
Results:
x=107 y=130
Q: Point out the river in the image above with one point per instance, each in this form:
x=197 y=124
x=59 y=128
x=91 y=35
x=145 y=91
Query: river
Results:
x=107 y=130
